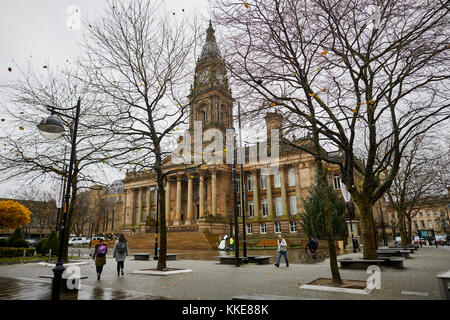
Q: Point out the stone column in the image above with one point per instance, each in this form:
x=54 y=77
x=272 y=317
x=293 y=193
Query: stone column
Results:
x=167 y=202
x=125 y=206
x=298 y=194
x=284 y=201
x=213 y=193
x=178 y=202
x=133 y=207
x=269 y=196
x=139 y=217
x=149 y=197
x=202 y=195
x=190 y=212
x=255 y=192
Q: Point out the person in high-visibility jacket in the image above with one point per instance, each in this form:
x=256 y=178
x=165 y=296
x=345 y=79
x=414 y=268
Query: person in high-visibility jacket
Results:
x=231 y=244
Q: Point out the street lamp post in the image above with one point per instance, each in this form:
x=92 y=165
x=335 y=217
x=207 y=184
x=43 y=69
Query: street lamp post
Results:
x=235 y=209
x=241 y=189
x=155 y=257
x=51 y=128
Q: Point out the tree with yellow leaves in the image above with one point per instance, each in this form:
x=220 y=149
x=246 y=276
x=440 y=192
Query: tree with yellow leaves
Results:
x=13 y=215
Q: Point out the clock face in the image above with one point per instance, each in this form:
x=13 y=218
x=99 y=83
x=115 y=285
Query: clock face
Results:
x=204 y=76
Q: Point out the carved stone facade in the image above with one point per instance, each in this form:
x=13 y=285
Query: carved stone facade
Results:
x=203 y=198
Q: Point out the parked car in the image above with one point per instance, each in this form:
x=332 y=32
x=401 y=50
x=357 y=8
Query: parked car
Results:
x=95 y=240
x=32 y=242
x=77 y=240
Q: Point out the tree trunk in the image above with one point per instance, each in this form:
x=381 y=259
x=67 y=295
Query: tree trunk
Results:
x=69 y=224
x=329 y=227
x=367 y=232
x=409 y=225
x=162 y=264
x=402 y=226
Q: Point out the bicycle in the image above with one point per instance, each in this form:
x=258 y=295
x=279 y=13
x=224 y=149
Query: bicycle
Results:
x=307 y=256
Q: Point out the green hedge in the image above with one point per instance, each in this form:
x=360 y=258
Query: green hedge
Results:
x=15 y=252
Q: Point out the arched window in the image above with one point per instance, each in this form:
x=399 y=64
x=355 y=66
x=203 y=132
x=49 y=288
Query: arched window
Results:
x=336 y=182
x=291 y=177
x=204 y=114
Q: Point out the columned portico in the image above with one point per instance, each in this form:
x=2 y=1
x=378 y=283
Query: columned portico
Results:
x=178 y=202
x=269 y=196
x=214 y=192
x=255 y=192
x=283 y=191
x=190 y=212
x=202 y=195
x=167 y=202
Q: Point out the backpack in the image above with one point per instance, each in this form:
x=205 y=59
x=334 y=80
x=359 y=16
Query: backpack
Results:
x=121 y=247
x=101 y=251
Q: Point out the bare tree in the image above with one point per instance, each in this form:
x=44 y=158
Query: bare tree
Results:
x=138 y=59
x=421 y=175
x=26 y=155
x=361 y=75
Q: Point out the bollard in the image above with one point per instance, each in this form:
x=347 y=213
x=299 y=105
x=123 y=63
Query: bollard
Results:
x=49 y=254
x=24 y=253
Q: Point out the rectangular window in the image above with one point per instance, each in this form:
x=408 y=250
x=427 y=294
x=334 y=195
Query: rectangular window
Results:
x=336 y=182
x=422 y=223
x=238 y=185
x=265 y=210
x=430 y=224
x=277 y=227
x=278 y=206
x=262 y=228
x=250 y=182
x=421 y=214
x=263 y=182
x=251 y=208
x=249 y=228
x=277 y=180
x=293 y=204
x=292 y=226
x=291 y=177
x=428 y=214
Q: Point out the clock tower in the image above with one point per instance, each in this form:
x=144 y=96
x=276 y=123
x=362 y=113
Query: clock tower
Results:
x=210 y=97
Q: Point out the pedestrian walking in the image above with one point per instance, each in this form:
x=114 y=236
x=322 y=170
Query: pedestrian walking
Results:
x=100 y=257
x=356 y=244
x=231 y=244
x=120 y=252
x=282 y=246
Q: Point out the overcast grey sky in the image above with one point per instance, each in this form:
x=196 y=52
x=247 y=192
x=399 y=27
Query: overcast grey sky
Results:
x=39 y=29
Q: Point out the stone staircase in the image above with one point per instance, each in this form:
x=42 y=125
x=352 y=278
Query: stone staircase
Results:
x=176 y=240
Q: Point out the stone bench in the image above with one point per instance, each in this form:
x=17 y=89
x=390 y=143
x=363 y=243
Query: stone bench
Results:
x=146 y=256
x=396 y=262
x=64 y=281
x=259 y=259
x=350 y=263
x=411 y=249
x=393 y=253
x=443 y=280
x=228 y=259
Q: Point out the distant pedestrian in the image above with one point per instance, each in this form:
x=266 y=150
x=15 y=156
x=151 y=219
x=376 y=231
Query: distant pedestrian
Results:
x=100 y=257
x=282 y=246
x=231 y=244
x=356 y=244
x=120 y=252
x=435 y=243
